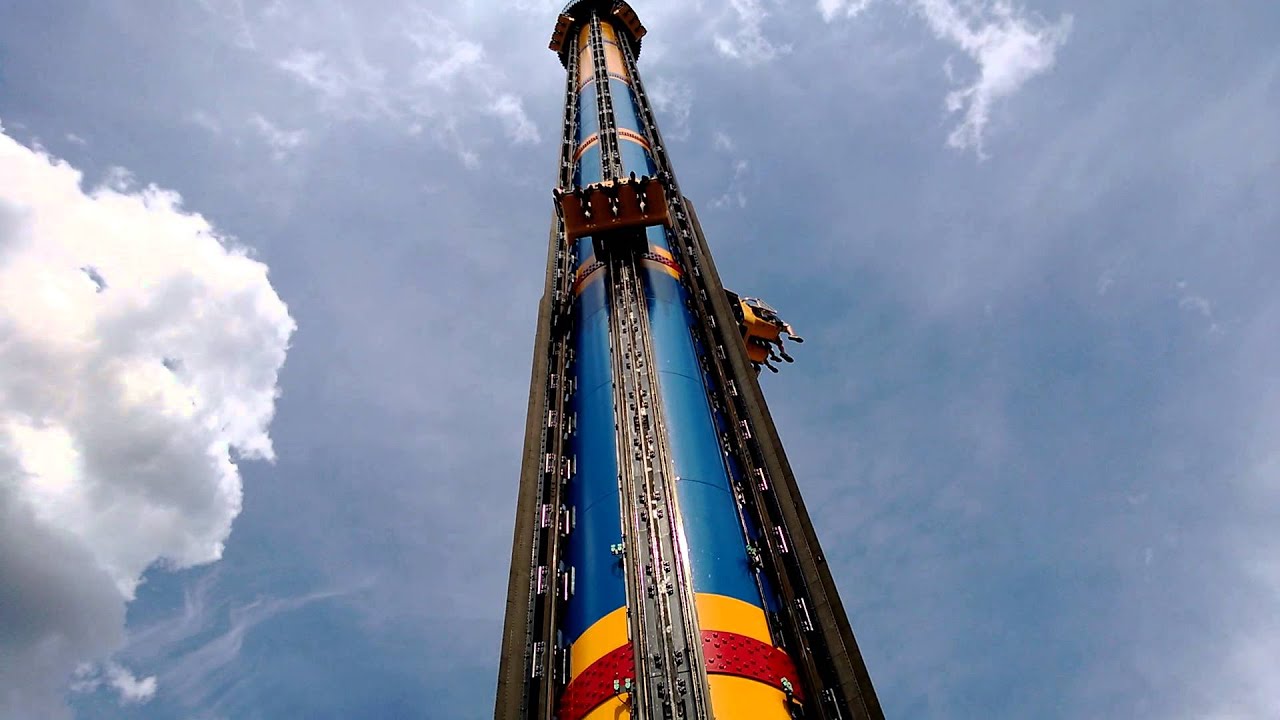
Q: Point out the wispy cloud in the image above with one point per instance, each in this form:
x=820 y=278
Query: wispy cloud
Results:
x=748 y=42
x=1198 y=304
x=282 y=142
x=128 y=688
x=510 y=109
x=190 y=677
x=204 y=120
x=831 y=9
x=674 y=100
x=1007 y=43
x=441 y=82
x=195 y=651
x=735 y=192
x=315 y=70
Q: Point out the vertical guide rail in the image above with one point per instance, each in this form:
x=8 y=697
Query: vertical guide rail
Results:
x=848 y=692
x=828 y=658
x=528 y=677
x=681 y=609
x=610 y=155
x=569 y=132
x=665 y=633
x=644 y=613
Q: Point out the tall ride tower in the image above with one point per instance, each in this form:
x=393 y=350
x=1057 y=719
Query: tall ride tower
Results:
x=664 y=566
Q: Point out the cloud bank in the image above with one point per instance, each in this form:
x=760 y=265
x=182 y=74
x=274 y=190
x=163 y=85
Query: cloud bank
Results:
x=139 y=354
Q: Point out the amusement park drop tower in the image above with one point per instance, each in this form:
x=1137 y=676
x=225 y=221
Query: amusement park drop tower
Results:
x=663 y=566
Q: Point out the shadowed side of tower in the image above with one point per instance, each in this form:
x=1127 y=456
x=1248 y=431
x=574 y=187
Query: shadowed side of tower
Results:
x=663 y=565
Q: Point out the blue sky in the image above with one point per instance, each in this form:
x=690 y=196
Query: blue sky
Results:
x=1031 y=246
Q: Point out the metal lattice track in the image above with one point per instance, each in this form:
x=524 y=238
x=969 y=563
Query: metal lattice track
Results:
x=664 y=625
x=610 y=156
x=542 y=655
x=804 y=645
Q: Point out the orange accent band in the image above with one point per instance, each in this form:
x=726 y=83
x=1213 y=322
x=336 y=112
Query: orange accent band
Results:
x=592 y=139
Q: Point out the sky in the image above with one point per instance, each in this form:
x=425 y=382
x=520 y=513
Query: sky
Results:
x=268 y=282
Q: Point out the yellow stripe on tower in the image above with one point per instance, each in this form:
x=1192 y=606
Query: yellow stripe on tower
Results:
x=725 y=614
x=737 y=698
x=613 y=63
x=586 y=71
x=663 y=268
x=603 y=637
x=732 y=697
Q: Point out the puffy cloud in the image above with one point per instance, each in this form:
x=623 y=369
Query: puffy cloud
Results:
x=139 y=353
x=1009 y=46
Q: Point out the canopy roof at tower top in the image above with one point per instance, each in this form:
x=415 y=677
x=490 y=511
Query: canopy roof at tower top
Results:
x=578 y=10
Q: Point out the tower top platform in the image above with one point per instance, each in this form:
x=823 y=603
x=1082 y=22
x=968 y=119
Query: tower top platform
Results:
x=579 y=10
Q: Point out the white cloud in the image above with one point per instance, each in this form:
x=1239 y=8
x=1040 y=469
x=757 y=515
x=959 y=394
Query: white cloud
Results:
x=138 y=351
x=1009 y=46
x=510 y=110
x=674 y=100
x=830 y=9
x=1197 y=304
x=735 y=194
x=445 y=57
x=196 y=649
x=748 y=43
x=203 y=119
x=312 y=69
x=282 y=142
x=351 y=81
x=439 y=81
x=191 y=676
x=129 y=688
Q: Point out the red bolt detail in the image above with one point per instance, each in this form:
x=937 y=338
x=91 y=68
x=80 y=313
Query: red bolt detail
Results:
x=726 y=653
